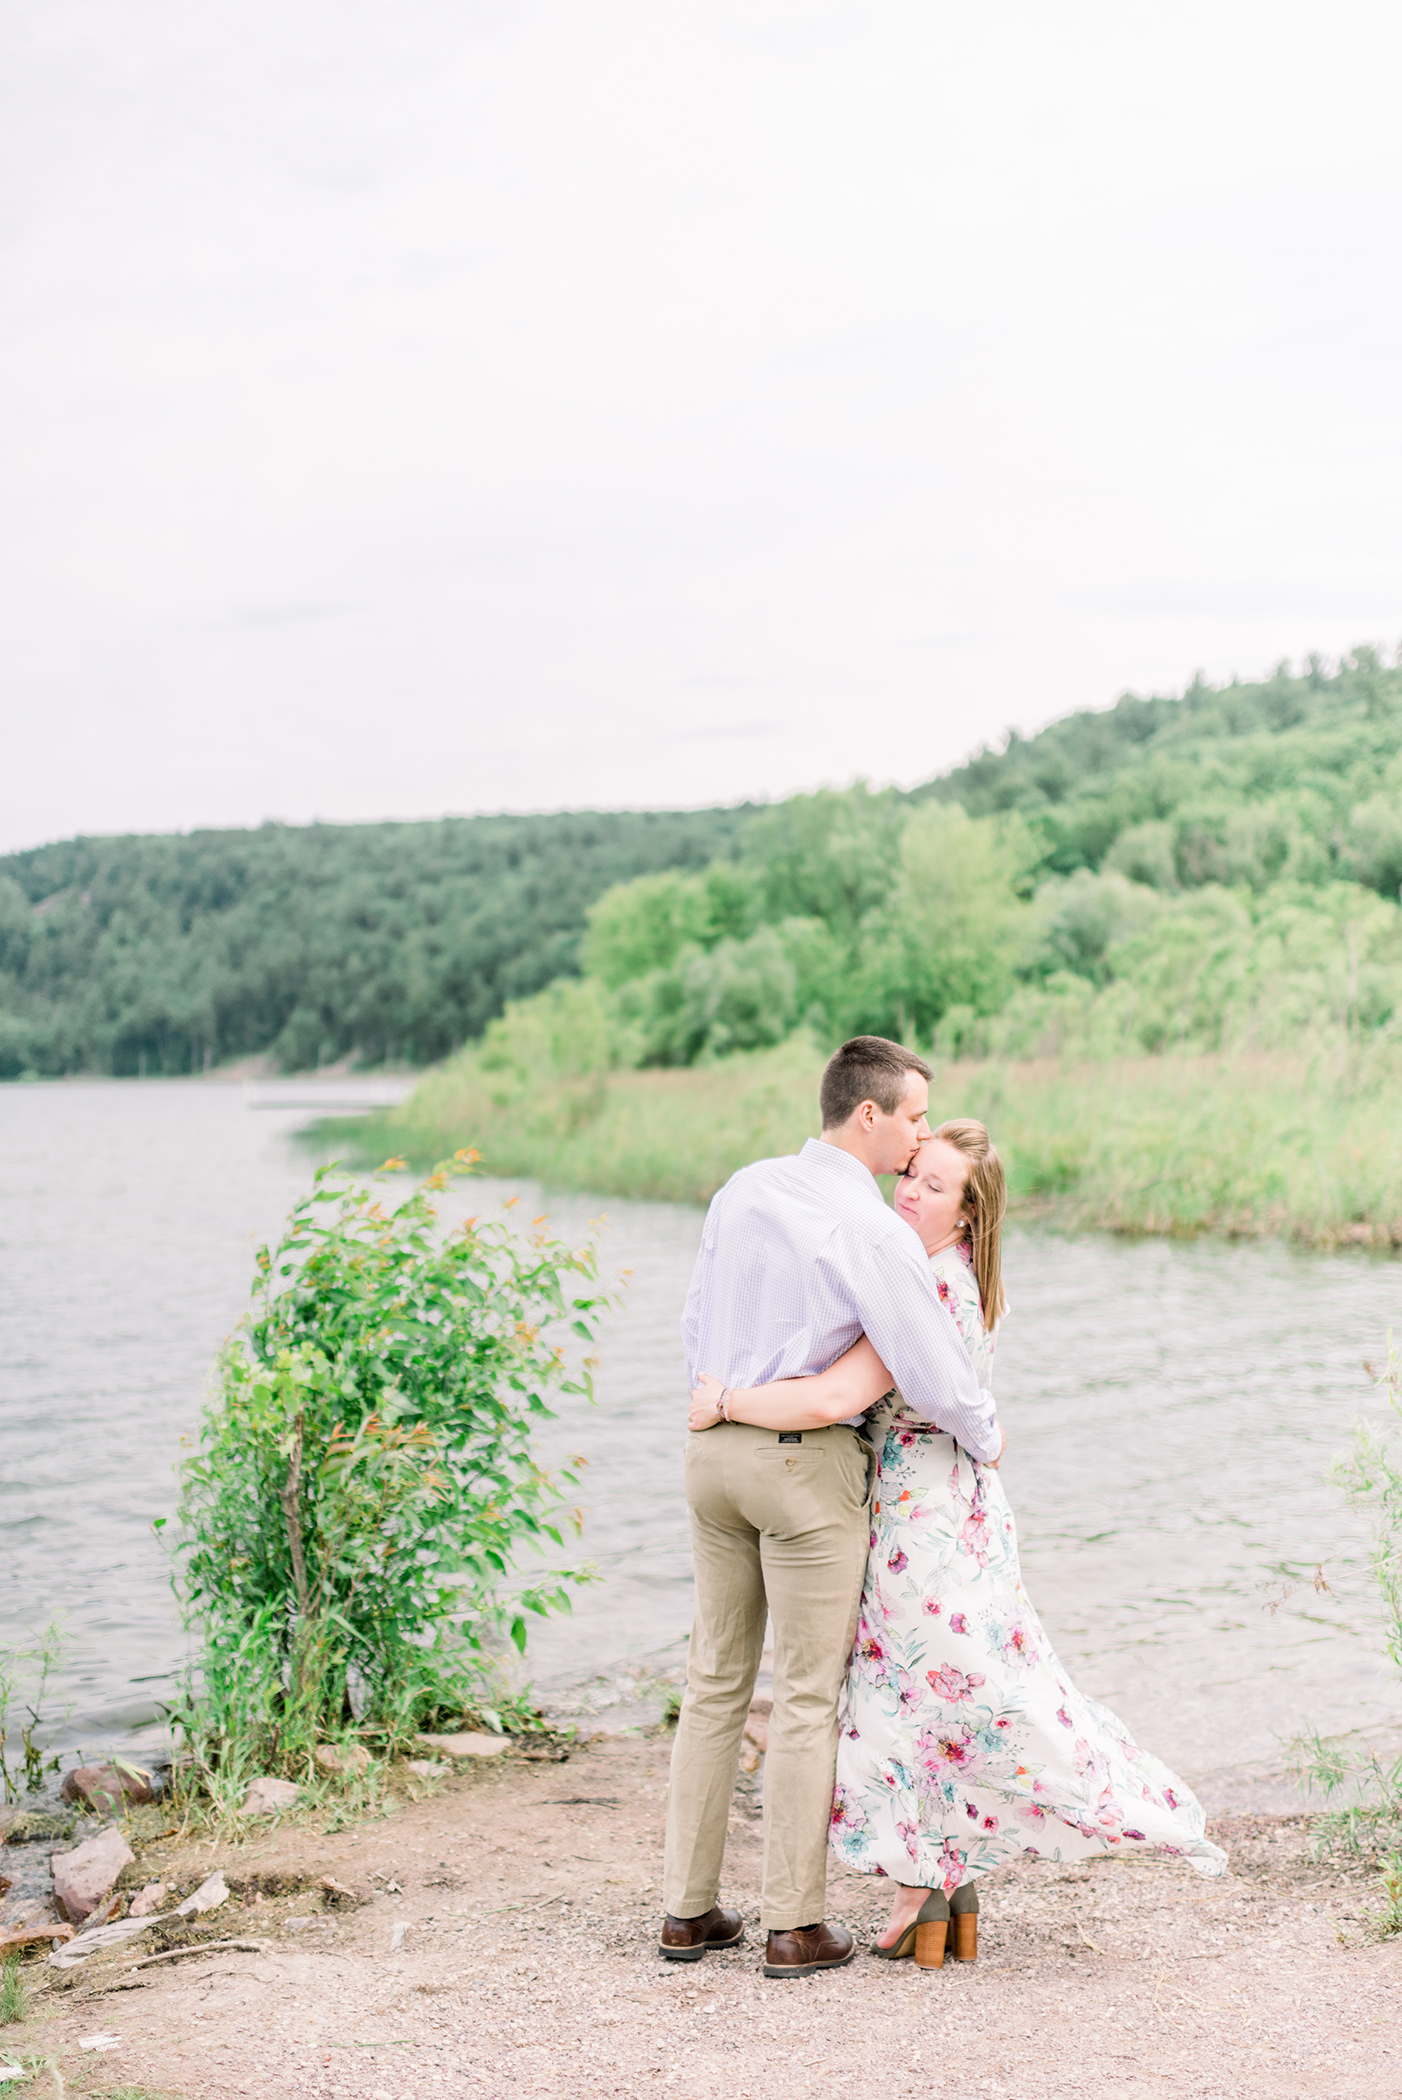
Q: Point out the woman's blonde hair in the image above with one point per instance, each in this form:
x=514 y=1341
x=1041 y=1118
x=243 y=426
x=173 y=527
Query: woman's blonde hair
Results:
x=985 y=1204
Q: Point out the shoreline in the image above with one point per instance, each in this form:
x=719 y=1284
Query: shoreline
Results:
x=527 y=1962
x=1306 y=1150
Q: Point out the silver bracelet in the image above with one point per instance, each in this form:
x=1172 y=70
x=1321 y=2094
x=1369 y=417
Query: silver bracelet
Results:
x=723 y=1404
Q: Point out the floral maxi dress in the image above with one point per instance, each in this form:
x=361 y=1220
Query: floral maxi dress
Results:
x=963 y=1741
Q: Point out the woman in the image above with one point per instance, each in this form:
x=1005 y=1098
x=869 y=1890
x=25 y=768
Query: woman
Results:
x=963 y=1741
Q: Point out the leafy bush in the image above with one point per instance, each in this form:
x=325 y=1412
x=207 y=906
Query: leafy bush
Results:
x=739 y=995
x=363 y=1486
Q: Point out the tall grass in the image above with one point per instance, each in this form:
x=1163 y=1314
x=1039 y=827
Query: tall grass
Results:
x=1308 y=1146
x=671 y=1134
x=1237 y=1146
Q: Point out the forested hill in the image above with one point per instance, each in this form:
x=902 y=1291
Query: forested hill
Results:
x=1305 y=753
x=370 y=941
x=1219 y=867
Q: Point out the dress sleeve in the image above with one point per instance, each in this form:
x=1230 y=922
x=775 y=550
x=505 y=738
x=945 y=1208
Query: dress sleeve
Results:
x=958 y=1290
x=894 y=1295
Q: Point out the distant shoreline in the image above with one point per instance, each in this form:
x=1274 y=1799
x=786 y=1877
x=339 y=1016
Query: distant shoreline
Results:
x=1235 y=1147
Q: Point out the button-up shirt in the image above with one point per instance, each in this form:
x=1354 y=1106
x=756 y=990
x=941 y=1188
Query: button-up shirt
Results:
x=798 y=1258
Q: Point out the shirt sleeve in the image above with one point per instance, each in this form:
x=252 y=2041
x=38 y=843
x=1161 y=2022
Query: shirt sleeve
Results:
x=920 y=1345
x=701 y=1292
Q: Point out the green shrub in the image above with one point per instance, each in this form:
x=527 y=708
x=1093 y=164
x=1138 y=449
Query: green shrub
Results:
x=363 y=1486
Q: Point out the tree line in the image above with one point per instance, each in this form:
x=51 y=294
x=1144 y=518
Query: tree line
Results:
x=373 y=942
x=1218 y=868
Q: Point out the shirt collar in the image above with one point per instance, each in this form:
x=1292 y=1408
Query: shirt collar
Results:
x=831 y=1159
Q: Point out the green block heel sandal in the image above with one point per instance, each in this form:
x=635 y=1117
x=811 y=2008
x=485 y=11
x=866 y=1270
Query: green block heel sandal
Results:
x=932 y=1919
x=963 y=1933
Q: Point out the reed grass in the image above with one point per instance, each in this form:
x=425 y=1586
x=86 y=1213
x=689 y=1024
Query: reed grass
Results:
x=676 y=1135
x=1305 y=1147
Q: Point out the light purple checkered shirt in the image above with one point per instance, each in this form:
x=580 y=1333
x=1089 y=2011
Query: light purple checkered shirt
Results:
x=798 y=1257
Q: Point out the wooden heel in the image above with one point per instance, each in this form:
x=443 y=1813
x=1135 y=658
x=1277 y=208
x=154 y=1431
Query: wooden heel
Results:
x=964 y=1936
x=929 y=1944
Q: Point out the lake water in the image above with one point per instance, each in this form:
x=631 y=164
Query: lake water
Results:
x=1172 y=1410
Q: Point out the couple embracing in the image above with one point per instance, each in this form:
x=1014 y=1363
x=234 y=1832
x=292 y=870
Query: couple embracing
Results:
x=842 y=1483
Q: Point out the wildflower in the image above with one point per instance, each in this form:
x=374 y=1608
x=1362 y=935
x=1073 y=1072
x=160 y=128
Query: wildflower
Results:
x=958 y=1623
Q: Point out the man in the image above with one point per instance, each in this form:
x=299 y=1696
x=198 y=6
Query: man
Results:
x=799 y=1256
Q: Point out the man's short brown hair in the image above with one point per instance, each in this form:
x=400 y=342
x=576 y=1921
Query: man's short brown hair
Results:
x=867 y=1069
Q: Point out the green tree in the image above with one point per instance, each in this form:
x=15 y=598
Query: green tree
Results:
x=953 y=929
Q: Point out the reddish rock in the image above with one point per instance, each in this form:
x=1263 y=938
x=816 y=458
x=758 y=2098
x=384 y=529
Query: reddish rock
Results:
x=268 y=1797
x=347 y=1763
x=85 y=1875
x=15 y=1938
x=149 y=1901
x=470 y=1744
x=106 y=1787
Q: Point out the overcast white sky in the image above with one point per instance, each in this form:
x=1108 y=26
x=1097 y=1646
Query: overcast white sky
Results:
x=448 y=405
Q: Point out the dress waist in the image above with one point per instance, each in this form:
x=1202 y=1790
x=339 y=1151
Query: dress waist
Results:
x=916 y=1434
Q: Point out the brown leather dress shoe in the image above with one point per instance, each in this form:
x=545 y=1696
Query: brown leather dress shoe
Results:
x=806 y=1949
x=687 y=1939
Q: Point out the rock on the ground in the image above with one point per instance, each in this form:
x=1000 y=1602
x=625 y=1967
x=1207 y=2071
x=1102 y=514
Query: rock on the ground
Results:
x=85 y=1875
x=26 y=1829
x=149 y=1901
x=469 y=1745
x=347 y=1762
x=14 y=1938
x=756 y=1736
x=268 y=1797
x=208 y=1896
x=423 y=1767
x=106 y=1787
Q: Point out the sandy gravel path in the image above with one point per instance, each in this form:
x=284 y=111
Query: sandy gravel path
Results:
x=529 y=1966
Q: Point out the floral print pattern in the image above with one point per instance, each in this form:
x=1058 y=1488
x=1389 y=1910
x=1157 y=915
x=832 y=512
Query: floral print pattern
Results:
x=963 y=1741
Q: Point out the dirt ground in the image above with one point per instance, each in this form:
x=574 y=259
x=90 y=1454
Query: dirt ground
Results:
x=530 y=1966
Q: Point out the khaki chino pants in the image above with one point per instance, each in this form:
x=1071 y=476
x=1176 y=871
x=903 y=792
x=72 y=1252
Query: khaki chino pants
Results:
x=777 y=1530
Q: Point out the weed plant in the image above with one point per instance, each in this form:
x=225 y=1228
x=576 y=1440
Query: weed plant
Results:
x=1362 y=1818
x=363 y=1489
x=24 y=1675
x=14 y=1999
